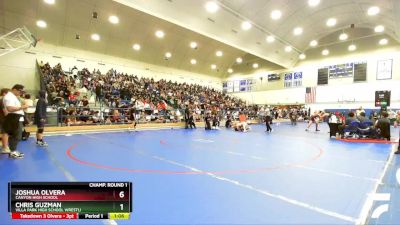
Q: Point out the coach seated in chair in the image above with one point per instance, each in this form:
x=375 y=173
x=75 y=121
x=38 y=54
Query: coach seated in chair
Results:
x=346 y=124
x=366 y=126
x=383 y=126
x=361 y=117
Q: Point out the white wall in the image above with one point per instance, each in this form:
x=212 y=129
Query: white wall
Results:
x=283 y=96
x=19 y=67
x=338 y=91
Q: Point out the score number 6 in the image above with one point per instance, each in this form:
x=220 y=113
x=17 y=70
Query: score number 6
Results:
x=122 y=195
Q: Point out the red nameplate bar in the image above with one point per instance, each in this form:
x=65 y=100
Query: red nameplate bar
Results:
x=44 y=216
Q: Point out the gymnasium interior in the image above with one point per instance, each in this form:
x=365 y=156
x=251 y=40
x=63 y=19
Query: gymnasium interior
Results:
x=199 y=112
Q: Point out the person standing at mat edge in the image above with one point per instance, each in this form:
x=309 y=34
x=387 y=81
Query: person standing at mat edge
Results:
x=268 y=120
x=397 y=122
x=14 y=118
x=40 y=118
x=398 y=148
x=3 y=112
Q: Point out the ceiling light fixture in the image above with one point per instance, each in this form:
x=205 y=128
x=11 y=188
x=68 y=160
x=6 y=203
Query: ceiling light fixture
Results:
x=270 y=39
x=213 y=66
x=276 y=14
x=313 y=43
x=41 y=24
x=246 y=25
x=325 y=52
x=50 y=2
x=193 y=45
x=379 y=29
x=288 y=48
x=160 y=34
x=136 y=47
x=297 y=31
x=331 y=22
x=239 y=60
x=193 y=61
x=218 y=53
x=383 y=41
x=255 y=65
x=113 y=19
x=302 y=56
x=168 y=55
x=343 y=36
x=373 y=10
x=230 y=70
x=95 y=37
x=352 y=47
x=212 y=7
x=313 y=3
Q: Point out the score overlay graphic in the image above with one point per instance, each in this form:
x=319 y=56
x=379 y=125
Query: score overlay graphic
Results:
x=70 y=200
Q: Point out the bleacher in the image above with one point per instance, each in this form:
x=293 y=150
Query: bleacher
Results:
x=123 y=98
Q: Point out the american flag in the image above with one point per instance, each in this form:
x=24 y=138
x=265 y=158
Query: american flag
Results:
x=311 y=93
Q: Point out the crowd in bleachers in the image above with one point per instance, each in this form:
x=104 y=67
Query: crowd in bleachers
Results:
x=126 y=96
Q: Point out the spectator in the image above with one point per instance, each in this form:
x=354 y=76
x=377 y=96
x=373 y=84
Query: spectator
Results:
x=13 y=121
x=3 y=112
x=145 y=94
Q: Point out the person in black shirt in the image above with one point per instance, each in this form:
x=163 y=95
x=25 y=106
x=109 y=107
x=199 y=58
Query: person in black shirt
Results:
x=268 y=121
x=187 y=115
x=207 y=120
x=215 y=124
x=191 y=121
x=40 y=118
x=293 y=117
x=383 y=126
x=99 y=93
x=228 y=122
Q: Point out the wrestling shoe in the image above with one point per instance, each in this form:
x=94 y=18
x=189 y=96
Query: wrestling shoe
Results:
x=16 y=155
x=42 y=143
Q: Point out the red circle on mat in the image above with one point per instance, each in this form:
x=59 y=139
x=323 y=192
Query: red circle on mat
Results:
x=195 y=171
